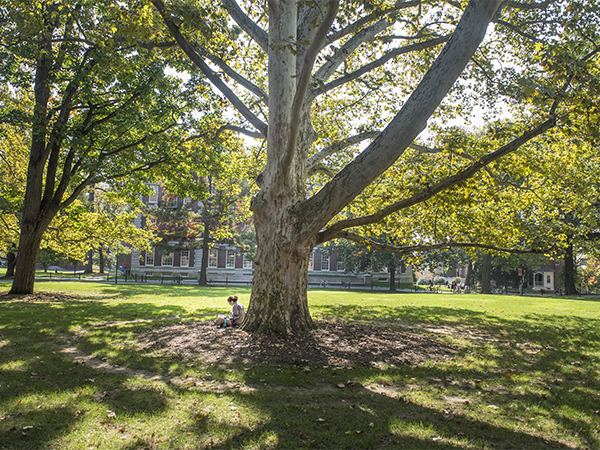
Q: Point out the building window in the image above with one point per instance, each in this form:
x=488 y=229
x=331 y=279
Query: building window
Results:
x=185 y=258
x=311 y=261
x=167 y=258
x=150 y=257
x=324 y=262
x=548 y=279
x=247 y=262
x=230 y=263
x=153 y=197
x=212 y=257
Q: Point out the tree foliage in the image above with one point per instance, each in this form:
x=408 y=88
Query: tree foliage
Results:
x=106 y=109
x=342 y=91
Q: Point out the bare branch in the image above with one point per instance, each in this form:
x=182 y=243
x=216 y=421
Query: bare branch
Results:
x=353 y=27
x=529 y=6
x=345 y=143
x=329 y=68
x=253 y=30
x=253 y=134
x=379 y=62
x=207 y=71
x=262 y=95
x=321 y=169
x=427 y=247
x=517 y=30
x=338 y=146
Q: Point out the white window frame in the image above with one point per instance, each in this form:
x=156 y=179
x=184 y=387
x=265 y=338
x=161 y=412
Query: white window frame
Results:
x=149 y=258
x=153 y=196
x=213 y=257
x=230 y=259
x=167 y=258
x=324 y=262
x=247 y=262
x=184 y=258
x=311 y=261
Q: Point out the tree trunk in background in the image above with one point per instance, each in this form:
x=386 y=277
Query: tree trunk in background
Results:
x=486 y=274
x=11 y=260
x=570 y=271
x=203 y=280
x=469 y=277
x=101 y=260
x=392 y=278
x=89 y=267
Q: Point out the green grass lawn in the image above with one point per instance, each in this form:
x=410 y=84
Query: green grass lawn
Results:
x=526 y=375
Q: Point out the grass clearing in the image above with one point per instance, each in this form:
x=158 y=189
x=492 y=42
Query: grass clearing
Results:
x=526 y=375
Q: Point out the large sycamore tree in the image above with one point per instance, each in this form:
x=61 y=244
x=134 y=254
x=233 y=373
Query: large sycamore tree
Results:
x=105 y=109
x=341 y=90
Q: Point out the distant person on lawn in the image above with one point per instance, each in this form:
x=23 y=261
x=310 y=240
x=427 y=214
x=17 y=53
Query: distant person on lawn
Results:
x=236 y=316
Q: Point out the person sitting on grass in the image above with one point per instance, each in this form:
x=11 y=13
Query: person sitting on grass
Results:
x=236 y=316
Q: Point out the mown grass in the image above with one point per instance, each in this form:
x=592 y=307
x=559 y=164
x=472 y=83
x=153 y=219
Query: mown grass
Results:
x=525 y=375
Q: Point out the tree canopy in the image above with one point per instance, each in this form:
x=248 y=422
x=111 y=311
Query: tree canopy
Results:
x=343 y=90
x=107 y=106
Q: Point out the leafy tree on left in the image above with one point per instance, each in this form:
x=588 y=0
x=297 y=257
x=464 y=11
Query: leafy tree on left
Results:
x=105 y=108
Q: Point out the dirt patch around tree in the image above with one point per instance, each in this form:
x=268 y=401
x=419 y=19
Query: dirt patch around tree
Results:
x=331 y=344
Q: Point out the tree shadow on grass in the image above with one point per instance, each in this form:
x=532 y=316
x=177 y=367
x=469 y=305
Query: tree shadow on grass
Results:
x=316 y=415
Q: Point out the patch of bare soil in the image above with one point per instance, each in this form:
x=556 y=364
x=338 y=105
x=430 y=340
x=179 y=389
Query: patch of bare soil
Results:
x=330 y=344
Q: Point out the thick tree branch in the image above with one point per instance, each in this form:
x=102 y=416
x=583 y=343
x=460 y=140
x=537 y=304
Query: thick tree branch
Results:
x=379 y=62
x=252 y=29
x=407 y=124
x=428 y=247
x=304 y=80
x=55 y=142
x=446 y=183
x=315 y=160
x=250 y=133
x=207 y=71
x=328 y=69
x=262 y=95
